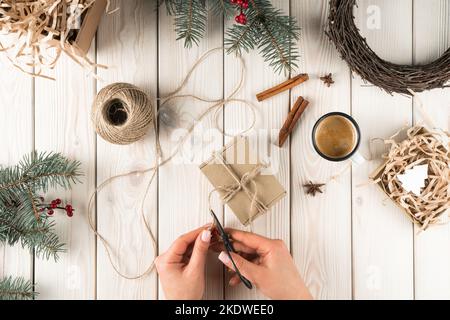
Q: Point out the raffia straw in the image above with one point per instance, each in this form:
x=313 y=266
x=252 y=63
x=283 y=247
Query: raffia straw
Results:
x=35 y=26
x=216 y=106
x=420 y=147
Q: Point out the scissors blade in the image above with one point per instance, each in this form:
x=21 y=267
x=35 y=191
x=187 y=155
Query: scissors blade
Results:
x=229 y=248
x=218 y=225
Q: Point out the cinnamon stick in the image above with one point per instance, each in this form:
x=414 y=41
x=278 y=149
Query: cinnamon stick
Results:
x=286 y=85
x=284 y=132
x=292 y=119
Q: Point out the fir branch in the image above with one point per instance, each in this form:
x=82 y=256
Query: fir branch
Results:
x=16 y=289
x=221 y=7
x=20 y=217
x=39 y=172
x=267 y=29
x=241 y=37
x=273 y=33
x=190 y=21
x=33 y=234
x=172 y=6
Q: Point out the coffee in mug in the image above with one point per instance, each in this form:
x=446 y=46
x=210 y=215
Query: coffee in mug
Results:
x=336 y=136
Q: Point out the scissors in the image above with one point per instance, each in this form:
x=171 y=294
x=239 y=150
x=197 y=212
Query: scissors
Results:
x=229 y=248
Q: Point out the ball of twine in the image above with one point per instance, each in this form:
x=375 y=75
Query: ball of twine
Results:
x=122 y=113
x=364 y=61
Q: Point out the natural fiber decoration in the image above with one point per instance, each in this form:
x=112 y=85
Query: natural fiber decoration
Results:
x=39 y=31
x=420 y=147
x=122 y=113
x=365 y=62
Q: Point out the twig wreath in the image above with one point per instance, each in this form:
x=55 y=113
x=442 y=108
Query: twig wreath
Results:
x=365 y=62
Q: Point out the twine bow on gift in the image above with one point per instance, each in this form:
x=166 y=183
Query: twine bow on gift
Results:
x=241 y=184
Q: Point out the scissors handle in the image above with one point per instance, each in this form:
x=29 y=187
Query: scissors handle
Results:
x=244 y=280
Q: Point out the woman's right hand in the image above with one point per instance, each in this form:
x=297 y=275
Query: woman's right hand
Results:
x=269 y=266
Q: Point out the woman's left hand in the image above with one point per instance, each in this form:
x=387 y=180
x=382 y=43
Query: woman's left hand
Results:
x=181 y=269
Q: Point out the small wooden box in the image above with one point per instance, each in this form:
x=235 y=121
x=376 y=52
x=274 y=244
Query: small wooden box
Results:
x=377 y=174
x=89 y=26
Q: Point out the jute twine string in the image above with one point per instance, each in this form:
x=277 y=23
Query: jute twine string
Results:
x=122 y=113
x=215 y=106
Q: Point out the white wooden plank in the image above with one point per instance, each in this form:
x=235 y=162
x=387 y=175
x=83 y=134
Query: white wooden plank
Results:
x=271 y=115
x=431 y=254
x=321 y=225
x=183 y=190
x=16 y=132
x=127 y=43
x=62 y=124
x=382 y=234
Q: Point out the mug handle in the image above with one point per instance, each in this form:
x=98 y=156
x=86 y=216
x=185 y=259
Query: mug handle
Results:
x=357 y=158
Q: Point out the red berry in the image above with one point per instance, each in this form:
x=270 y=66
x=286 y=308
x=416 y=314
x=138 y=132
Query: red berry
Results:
x=233 y=1
x=53 y=205
x=58 y=201
x=244 y=5
x=50 y=212
x=239 y=2
x=41 y=209
x=69 y=210
x=242 y=18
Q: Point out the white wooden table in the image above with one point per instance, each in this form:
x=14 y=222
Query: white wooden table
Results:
x=348 y=242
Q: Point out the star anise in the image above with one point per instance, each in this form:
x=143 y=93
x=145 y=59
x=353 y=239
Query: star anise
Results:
x=313 y=188
x=328 y=79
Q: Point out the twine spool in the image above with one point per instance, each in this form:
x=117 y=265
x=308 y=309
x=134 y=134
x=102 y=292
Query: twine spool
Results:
x=122 y=113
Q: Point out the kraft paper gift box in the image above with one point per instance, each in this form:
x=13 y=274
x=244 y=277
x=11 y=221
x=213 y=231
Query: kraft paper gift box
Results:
x=240 y=159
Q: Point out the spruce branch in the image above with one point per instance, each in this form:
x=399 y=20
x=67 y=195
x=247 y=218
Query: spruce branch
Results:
x=38 y=171
x=190 y=21
x=33 y=234
x=267 y=29
x=221 y=7
x=16 y=289
x=241 y=37
x=172 y=6
x=21 y=219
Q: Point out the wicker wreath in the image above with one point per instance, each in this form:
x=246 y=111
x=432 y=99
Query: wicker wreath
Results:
x=386 y=75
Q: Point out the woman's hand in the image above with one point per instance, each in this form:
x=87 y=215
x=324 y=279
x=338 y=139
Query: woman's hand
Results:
x=269 y=266
x=181 y=269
